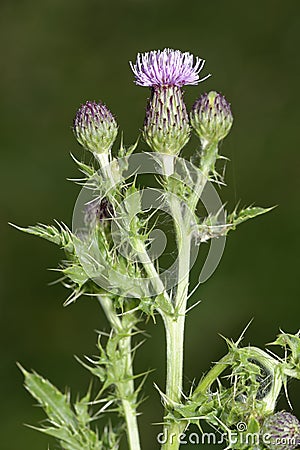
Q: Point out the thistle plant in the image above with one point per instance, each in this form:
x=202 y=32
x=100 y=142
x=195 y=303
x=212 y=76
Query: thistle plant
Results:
x=112 y=252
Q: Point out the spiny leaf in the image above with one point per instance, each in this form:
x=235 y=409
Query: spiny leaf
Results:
x=123 y=151
x=62 y=434
x=84 y=168
x=62 y=236
x=82 y=439
x=245 y=214
x=56 y=405
x=81 y=407
x=69 y=427
x=76 y=273
x=211 y=227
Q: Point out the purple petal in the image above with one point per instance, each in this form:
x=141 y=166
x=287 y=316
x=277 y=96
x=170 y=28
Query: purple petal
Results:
x=167 y=67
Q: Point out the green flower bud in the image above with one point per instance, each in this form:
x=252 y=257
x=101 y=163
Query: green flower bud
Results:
x=281 y=431
x=95 y=128
x=166 y=126
x=211 y=117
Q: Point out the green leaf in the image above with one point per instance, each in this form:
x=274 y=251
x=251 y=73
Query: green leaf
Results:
x=82 y=410
x=63 y=435
x=87 y=170
x=76 y=273
x=211 y=227
x=235 y=218
x=62 y=236
x=56 y=405
x=291 y=345
x=70 y=427
x=123 y=151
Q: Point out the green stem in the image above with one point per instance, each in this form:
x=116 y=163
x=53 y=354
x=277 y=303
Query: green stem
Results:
x=125 y=387
x=151 y=271
x=175 y=350
x=126 y=390
x=207 y=166
x=174 y=326
x=211 y=376
x=175 y=342
x=209 y=157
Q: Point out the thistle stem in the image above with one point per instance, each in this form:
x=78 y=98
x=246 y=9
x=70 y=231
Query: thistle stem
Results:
x=209 y=157
x=125 y=387
x=211 y=376
x=151 y=270
x=126 y=390
x=175 y=349
x=174 y=326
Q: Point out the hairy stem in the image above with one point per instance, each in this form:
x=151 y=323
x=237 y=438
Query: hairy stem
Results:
x=125 y=387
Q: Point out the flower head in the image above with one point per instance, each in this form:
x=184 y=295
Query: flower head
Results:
x=167 y=68
x=281 y=431
x=211 y=117
x=95 y=128
x=166 y=125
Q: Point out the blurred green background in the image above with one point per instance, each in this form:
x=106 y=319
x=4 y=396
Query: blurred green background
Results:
x=55 y=54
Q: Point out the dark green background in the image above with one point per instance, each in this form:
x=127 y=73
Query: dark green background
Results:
x=55 y=54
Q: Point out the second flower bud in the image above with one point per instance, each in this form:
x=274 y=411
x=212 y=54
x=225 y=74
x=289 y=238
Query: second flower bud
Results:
x=211 y=117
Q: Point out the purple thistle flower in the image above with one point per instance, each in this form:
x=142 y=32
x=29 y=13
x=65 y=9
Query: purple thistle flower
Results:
x=281 y=431
x=95 y=128
x=167 y=68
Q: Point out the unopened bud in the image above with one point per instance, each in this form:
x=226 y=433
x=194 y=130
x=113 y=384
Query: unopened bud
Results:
x=281 y=431
x=95 y=128
x=211 y=117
